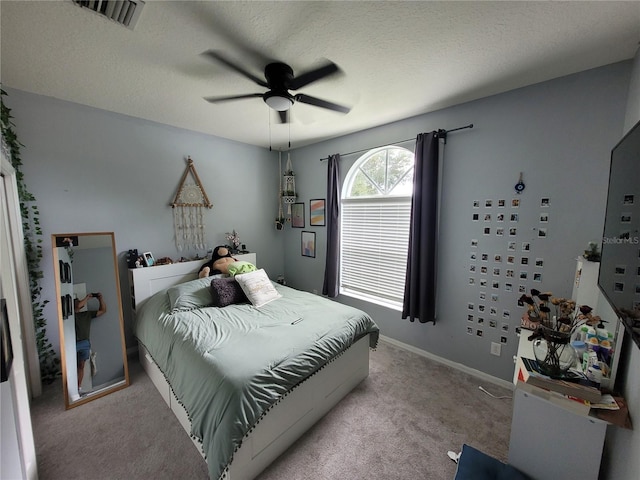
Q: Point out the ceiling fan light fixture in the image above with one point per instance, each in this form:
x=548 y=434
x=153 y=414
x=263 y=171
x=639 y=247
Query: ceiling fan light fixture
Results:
x=279 y=79
x=278 y=101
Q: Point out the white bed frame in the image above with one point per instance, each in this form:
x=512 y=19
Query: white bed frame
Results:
x=288 y=419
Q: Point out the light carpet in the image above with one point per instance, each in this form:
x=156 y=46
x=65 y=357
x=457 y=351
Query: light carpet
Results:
x=397 y=424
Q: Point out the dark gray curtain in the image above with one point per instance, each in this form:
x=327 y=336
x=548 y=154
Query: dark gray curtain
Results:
x=332 y=266
x=420 y=283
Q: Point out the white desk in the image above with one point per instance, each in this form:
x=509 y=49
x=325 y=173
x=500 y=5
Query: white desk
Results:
x=549 y=441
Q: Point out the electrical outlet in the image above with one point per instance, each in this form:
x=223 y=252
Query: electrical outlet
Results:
x=495 y=349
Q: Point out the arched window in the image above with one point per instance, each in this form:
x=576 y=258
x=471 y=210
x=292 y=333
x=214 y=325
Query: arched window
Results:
x=375 y=213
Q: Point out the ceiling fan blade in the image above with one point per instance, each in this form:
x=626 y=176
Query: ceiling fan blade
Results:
x=233 y=97
x=313 y=75
x=302 y=98
x=218 y=57
x=283 y=116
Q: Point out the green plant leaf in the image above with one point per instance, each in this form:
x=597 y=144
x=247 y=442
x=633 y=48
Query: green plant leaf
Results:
x=49 y=363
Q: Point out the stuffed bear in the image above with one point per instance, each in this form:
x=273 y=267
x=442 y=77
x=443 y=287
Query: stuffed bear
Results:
x=219 y=263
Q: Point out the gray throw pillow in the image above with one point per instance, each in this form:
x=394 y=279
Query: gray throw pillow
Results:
x=226 y=291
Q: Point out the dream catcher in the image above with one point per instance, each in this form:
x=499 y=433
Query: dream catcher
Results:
x=188 y=211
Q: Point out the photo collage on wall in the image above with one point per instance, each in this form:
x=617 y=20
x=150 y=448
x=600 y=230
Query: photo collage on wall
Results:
x=503 y=265
x=627 y=277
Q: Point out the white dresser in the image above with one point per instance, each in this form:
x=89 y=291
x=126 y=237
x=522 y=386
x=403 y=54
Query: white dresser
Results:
x=548 y=440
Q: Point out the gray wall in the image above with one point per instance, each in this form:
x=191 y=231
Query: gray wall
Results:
x=92 y=170
x=559 y=133
x=96 y=171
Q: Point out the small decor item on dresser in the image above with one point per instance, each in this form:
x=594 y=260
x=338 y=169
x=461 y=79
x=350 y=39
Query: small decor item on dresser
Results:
x=553 y=351
x=148 y=259
x=164 y=261
x=557 y=320
x=592 y=253
x=234 y=241
x=132 y=258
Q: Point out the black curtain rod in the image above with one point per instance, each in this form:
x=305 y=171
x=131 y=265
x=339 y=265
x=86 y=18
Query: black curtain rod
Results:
x=440 y=133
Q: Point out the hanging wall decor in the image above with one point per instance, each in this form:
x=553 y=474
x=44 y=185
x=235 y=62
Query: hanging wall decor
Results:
x=317 y=212
x=188 y=211
x=280 y=220
x=297 y=217
x=289 y=189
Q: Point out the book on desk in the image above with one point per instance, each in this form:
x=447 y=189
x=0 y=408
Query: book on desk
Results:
x=568 y=402
x=529 y=373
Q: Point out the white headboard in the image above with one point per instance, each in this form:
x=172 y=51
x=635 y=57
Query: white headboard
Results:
x=146 y=281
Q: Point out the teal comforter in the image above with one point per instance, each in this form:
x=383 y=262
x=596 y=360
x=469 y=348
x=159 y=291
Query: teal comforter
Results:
x=228 y=365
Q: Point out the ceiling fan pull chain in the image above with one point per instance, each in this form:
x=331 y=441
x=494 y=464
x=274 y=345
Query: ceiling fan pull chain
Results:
x=269 y=120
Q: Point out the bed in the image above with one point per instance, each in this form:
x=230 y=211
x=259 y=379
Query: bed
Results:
x=244 y=381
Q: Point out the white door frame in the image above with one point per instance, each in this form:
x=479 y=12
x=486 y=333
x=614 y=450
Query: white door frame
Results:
x=16 y=239
x=12 y=285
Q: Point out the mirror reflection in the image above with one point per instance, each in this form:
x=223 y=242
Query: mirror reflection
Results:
x=92 y=347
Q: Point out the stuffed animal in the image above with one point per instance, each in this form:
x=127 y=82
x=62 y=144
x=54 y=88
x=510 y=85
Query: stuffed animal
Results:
x=219 y=263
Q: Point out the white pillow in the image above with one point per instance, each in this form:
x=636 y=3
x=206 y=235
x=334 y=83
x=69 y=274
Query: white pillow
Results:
x=257 y=287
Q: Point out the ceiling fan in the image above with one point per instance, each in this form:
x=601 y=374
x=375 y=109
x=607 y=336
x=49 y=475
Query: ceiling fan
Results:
x=279 y=79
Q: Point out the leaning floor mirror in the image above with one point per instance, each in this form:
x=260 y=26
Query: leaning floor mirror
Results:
x=92 y=346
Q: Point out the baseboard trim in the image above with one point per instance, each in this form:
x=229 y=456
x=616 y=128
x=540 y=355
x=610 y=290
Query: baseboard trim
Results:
x=458 y=366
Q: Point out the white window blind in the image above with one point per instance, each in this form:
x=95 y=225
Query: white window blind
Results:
x=375 y=238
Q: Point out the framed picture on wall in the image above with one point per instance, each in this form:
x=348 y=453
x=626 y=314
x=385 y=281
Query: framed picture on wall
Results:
x=5 y=339
x=297 y=215
x=308 y=244
x=317 y=212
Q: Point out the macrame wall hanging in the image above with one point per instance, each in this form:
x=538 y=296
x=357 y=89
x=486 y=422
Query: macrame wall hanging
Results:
x=188 y=211
x=289 y=189
x=280 y=220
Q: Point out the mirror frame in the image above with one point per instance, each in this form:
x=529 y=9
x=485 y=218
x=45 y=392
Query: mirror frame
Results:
x=119 y=384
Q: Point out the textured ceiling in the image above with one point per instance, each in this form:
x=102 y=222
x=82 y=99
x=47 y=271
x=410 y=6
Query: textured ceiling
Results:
x=398 y=59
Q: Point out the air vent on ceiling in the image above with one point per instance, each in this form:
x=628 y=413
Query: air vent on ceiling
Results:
x=124 y=12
